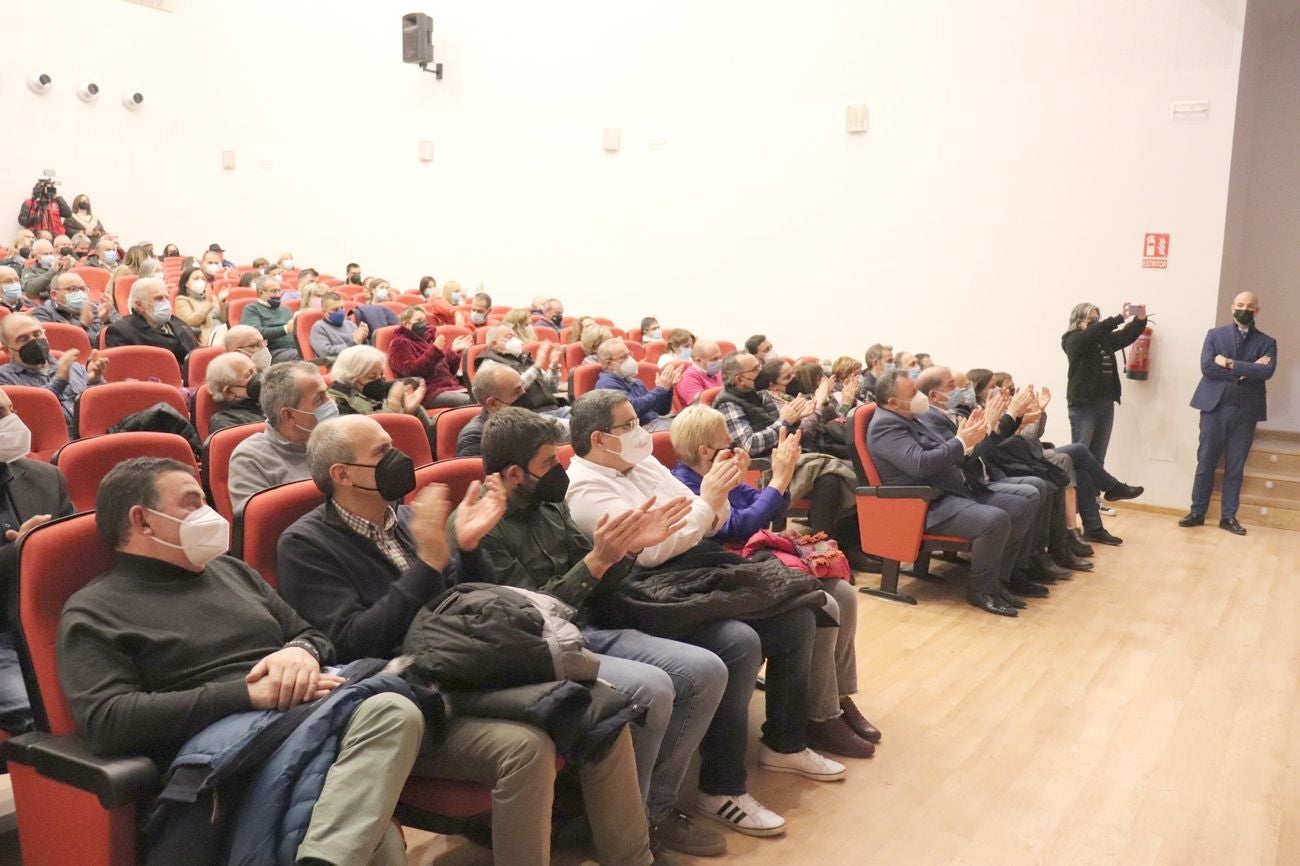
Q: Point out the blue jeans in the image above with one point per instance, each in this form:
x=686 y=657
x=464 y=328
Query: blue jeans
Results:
x=684 y=684
x=15 y=709
x=1091 y=423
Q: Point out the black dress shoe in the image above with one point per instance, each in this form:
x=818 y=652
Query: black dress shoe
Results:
x=1077 y=545
x=1046 y=565
x=1021 y=585
x=1231 y=524
x=1011 y=601
x=1123 y=491
x=990 y=603
x=1063 y=557
x=1192 y=519
x=1101 y=536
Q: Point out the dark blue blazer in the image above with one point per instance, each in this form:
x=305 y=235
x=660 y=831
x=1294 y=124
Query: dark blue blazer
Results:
x=906 y=452
x=1249 y=376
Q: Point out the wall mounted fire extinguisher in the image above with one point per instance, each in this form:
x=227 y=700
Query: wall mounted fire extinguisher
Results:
x=1137 y=360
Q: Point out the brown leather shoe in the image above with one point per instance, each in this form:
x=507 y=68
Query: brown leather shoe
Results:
x=835 y=736
x=858 y=722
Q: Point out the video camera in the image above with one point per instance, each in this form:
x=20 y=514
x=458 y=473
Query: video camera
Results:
x=46 y=189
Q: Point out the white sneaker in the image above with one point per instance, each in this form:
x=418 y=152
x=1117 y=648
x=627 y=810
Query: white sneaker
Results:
x=741 y=813
x=807 y=763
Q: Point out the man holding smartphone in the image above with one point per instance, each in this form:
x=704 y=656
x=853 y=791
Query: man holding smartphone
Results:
x=1236 y=360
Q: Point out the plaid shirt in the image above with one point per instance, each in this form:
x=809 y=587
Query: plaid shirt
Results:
x=757 y=443
x=384 y=538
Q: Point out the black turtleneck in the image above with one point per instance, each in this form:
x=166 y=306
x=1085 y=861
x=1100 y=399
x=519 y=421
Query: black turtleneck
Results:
x=149 y=654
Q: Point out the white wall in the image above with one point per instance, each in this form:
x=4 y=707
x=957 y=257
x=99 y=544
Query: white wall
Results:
x=1017 y=152
x=1260 y=249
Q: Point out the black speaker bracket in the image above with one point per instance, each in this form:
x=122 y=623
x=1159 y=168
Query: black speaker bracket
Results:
x=436 y=70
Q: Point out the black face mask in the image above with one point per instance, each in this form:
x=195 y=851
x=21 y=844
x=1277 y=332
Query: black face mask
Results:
x=557 y=320
x=394 y=475
x=376 y=390
x=1245 y=318
x=254 y=388
x=548 y=487
x=34 y=353
x=420 y=328
x=25 y=252
x=65 y=251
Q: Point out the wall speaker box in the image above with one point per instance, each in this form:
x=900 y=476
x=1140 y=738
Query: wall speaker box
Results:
x=417 y=38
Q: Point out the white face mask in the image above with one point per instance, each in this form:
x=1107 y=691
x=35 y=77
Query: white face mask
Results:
x=15 y=438
x=205 y=535
x=920 y=404
x=634 y=446
x=287 y=264
x=628 y=369
x=261 y=358
x=514 y=346
x=212 y=268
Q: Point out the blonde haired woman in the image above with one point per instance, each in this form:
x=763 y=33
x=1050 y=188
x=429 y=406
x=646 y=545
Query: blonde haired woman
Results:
x=518 y=320
x=130 y=267
x=359 y=387
x=452 y=294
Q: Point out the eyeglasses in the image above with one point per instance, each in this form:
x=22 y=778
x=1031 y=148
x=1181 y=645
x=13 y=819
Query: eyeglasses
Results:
x=628 y=426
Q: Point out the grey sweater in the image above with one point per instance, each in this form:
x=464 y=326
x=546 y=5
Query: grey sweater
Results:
x=264 y=460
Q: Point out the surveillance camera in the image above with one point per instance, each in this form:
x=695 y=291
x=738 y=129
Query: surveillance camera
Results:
x=132 y=99
x=88 y=91
x=39 y=82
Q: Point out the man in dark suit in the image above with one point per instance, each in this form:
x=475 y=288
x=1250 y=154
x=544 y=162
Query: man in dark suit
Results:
x=31 y=493
x=1236 y=360
x=152 y=322
x=997 y=522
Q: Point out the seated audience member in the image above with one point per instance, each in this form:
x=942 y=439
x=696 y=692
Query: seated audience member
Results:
x=310 y=294
x=428 y=287
x=33 y=493
x=650 y=329
x=809 y=380
x=614 y=470
x=152 y=322
x=755 y=422
x=906 y=362
x=480 y=308
x=677 y=346
x=294 y=400
x=15 y=255
x=924 y=361
x=228 y=381
x=360 y=569
x=178 y=636
x=247 y=278
x=880 y=360
x=592 y=336
x=370 y=310
x=359 y=386
x=42 y=268
x=104 y=257
x=352 y=274
x=199 y=305
x=994 y=465
x=69 y=303
x=1096 y=481
x=496 y=387
x=541 y=375
x=774 y=379
x=285 y=262
x=150 y=268
x=846 y=379
x=30 y=363
x=11 y=292
x=335 y=332
x=272 y=319
x=704 y=372
x=214 y=264
x=242 y=338
x=700 y=438
x=451 y=292
x=413 y=352
x=761 y=348
x=517 y=321
x=998 y=523
x=80 y=248
x=581 y=325
x=619 y=372
x=535 y=546
x=552 y=315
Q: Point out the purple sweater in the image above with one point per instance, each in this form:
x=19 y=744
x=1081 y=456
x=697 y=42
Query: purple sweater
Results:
x=751 y=509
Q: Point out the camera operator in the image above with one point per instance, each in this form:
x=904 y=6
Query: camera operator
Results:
x=46 y=209
x=45 y=265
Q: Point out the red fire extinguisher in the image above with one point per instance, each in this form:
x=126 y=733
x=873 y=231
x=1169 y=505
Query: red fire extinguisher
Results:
x=1137 y=361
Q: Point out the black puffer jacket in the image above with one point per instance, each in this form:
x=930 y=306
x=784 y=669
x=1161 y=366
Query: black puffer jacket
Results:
x=703 y=585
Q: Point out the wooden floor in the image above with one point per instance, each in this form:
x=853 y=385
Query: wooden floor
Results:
x=1144 y=714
